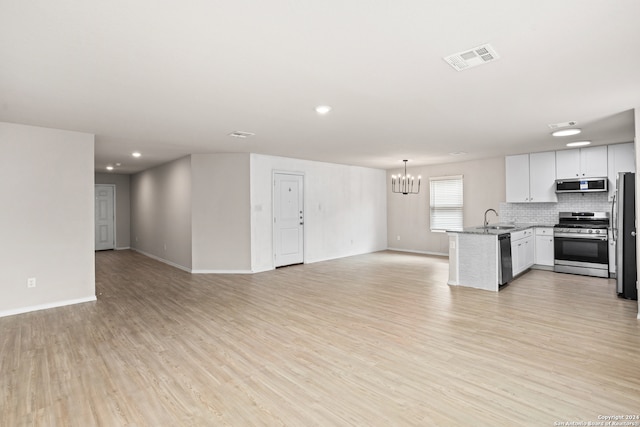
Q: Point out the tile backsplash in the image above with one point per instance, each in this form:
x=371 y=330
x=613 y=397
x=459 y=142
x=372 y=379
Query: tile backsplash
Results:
x=547 y=213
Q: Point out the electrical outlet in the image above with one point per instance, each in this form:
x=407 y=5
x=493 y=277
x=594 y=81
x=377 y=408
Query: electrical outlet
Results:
x=398 y=237
x=31 y=282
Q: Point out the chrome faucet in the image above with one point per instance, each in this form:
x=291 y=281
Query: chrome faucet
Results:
x=485 y=215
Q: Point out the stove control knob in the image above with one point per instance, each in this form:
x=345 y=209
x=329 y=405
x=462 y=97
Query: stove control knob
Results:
x=590 y=231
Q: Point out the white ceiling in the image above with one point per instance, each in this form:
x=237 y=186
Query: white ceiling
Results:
x=170 y=78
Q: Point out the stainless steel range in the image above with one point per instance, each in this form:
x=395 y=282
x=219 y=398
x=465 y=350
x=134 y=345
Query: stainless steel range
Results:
x=580 y=243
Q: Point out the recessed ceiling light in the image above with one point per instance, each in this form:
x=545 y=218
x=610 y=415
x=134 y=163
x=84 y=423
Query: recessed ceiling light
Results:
x=567 y=132
x=323 y=109
x=109 y=168
x=578 y=143
x=118 y=164
x=136 y=154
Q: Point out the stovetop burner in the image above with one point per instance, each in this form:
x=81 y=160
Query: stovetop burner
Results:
x=579 y=221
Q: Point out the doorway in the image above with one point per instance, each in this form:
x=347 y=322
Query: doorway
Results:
x=288 y=218
x=105 y=217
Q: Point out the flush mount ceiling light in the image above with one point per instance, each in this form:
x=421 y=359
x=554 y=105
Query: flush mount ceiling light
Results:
x=578 y=143
x=136 y=154
x=109 y=168
x=458 y=153
x=566 y=132
x=405 y=184
x=323 y=109
x=241 y=134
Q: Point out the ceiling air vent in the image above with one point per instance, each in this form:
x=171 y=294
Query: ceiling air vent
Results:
x=472 y=58
x=241 y=134
x=556 y=126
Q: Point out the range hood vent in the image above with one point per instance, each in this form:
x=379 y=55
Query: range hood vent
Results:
x=472 y=57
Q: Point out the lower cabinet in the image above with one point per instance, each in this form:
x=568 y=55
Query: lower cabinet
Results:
x=544 y=246
x=522 y=250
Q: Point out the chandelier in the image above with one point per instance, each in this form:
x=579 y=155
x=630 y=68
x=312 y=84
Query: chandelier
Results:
x=405 y=184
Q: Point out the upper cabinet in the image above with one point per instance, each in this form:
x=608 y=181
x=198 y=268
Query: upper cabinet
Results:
x=542 y=170
x=531 y=178
x=517 y=180
x=582 y=162
x=621 y=158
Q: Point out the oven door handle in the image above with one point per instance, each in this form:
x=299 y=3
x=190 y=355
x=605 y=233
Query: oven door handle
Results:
x=601 y=237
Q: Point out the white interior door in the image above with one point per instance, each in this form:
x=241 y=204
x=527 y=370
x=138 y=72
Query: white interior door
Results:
x=105 y=217
x=288 y=219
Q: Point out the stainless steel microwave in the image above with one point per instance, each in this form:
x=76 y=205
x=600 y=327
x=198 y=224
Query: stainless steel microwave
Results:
x=581 y=185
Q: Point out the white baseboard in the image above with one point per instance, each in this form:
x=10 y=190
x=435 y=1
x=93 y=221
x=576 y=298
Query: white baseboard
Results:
x=165 y=261
x=123 y=248
x=312 y=261
x=541 y=267
x=221 y=272
x=262 y=269
x=46 y=306
x=419 y=252
x=189 y=270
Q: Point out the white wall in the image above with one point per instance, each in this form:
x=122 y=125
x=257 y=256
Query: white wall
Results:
x=221 y=207
x=46 y=220
x=123 y=208
x=635 y=139
x=484 y=188
x=161 y=212
x=345 y=209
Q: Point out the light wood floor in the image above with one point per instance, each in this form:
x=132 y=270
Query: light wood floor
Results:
x=378 y=340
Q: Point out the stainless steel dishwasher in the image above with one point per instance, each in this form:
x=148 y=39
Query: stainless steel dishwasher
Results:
x=505 y=269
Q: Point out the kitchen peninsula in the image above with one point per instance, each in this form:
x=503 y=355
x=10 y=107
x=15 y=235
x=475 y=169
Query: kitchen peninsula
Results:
x=476 y=259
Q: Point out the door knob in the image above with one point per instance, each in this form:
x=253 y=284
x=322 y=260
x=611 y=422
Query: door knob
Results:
x=633 y=233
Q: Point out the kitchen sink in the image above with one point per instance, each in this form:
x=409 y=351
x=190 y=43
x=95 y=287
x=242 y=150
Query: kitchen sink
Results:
x=498 y=227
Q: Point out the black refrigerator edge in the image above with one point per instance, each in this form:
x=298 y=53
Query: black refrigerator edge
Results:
x=625 y=235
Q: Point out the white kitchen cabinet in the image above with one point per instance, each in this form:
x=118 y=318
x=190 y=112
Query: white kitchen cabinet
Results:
x=517 y=178
x=529 y=252
x=522 y=250
x=544 y=246
x=515 y=257
x=531 y=178
x=542 y=177
x=586 y=162
x=620 y=158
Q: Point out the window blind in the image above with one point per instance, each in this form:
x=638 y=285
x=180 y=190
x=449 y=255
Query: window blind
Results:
x=446 y=203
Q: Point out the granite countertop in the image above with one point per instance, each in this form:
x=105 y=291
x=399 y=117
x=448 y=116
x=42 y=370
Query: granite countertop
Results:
x=478 y=229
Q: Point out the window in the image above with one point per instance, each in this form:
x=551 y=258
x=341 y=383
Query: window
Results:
x=446 y=203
